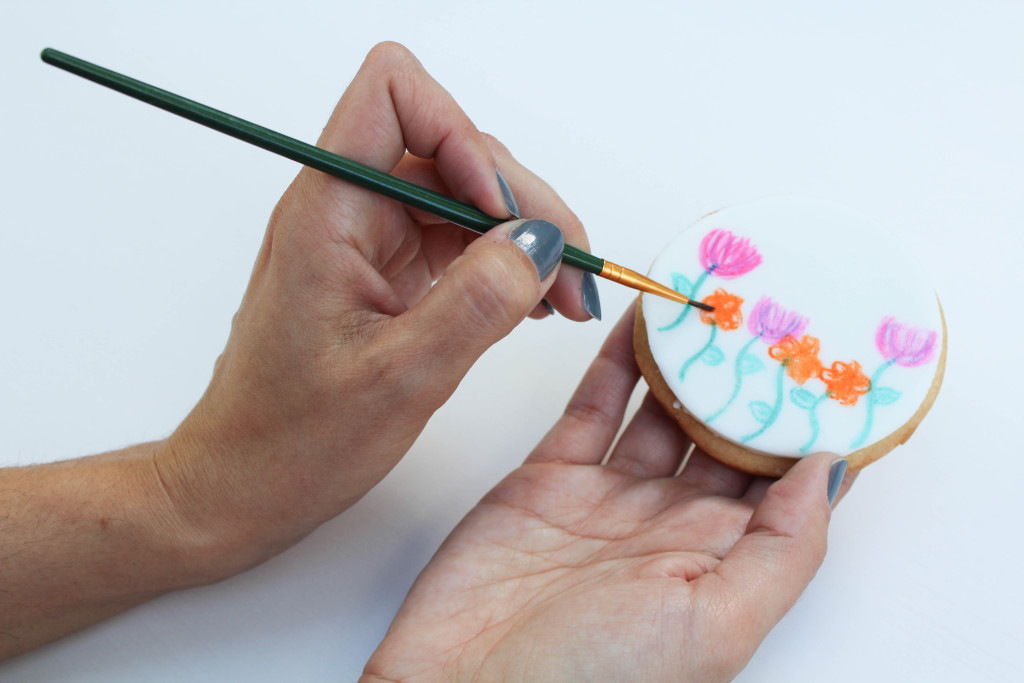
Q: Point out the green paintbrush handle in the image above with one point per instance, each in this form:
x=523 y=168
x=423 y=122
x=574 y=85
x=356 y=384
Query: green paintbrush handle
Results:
x=388 y=185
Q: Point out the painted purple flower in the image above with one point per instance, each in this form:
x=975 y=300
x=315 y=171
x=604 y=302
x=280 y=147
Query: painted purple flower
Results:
x=727 y=255
x=906 y=346
x=771 y=322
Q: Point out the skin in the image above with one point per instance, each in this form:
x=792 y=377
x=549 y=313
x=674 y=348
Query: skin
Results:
x=334 y=364
x=570 y=570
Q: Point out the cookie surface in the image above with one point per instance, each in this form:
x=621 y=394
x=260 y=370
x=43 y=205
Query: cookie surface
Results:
x=825 y=336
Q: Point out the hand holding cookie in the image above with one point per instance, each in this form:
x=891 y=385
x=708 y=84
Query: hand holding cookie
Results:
x=570 y=570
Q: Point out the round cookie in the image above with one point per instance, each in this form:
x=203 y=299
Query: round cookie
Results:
x=825 y=336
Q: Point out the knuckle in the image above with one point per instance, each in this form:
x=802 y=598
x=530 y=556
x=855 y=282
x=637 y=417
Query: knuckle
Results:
x=389 y=53
x=489 y=295
x=570 y=222
x=499 y=287
x=496 y=146
x=588 y=412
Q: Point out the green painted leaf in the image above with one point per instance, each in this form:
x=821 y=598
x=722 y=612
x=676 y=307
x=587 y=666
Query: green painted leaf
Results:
x=750 y=364
x=803 y=398
x=713 y=355
x=681 y=284
x=883 y=396
x=762 y=411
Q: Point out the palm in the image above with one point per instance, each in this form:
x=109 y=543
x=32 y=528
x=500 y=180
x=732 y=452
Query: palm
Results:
x=570 y=569
x=557 y=545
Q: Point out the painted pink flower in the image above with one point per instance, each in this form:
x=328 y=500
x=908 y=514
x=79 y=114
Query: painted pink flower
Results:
x=771 y=322
x=727 y=255
x=906 y=346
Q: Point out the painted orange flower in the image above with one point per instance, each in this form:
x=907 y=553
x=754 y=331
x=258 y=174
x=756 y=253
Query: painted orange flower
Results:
x=727 y=310
x=799 y=357
x=846 y=382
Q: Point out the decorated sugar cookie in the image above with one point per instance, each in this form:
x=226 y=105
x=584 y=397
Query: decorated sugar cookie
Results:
x=824 y=337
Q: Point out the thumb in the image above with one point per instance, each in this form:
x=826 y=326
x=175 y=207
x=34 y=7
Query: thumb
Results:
x=480 y=298
x=784 y=544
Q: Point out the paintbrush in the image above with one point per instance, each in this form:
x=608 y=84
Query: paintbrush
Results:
x=452 y=210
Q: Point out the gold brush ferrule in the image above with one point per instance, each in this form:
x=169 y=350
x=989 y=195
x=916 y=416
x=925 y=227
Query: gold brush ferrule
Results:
x=631 y=278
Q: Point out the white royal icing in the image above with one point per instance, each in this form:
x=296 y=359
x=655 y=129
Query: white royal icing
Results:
x=836 y=340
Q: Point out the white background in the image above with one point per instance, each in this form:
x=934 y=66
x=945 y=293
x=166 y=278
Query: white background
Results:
x=128 y=236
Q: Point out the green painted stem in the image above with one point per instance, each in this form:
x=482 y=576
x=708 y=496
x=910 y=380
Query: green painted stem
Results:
x=869 y=397
x=692 y=294
x=739 y=381
x=775 y=410
x=693 y=359
x=812 y=415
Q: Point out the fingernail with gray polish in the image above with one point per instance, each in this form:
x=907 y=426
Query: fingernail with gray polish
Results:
x=506 y=193
x=591 y=299
x=835 y=479
x=547 y=306
x=543 y=243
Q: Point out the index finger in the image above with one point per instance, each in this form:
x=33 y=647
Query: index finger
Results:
x=392 y=105
x=587 y=429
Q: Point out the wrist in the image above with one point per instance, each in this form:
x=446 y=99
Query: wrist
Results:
x=212 y=532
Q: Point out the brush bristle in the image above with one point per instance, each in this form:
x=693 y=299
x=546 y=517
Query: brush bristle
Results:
x=701 y=305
